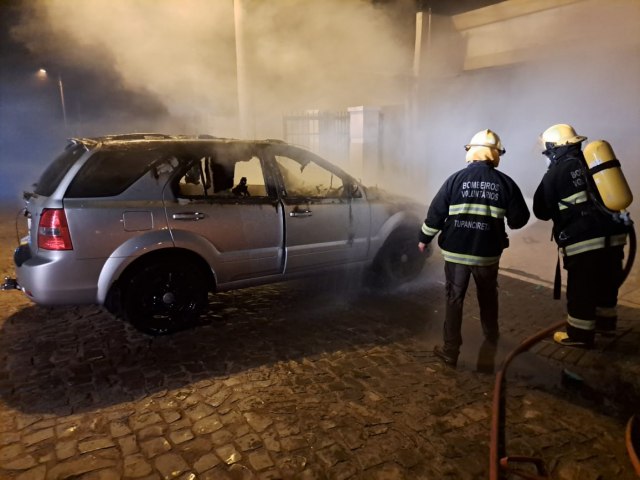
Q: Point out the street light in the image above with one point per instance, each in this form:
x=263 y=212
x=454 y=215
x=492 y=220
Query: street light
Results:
x=42 y=73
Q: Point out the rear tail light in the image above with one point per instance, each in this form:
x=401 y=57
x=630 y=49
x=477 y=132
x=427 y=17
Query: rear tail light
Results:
x=53 y=231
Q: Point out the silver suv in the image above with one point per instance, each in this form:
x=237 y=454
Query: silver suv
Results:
x=149 y=224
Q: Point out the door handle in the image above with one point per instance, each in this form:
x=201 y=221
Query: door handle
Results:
x=300 y=213
x=188 y=216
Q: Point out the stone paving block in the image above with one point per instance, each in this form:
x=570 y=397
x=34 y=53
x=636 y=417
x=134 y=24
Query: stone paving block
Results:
x=10 y=451
x=221 y=437
x=206 y=462
x=128 y=444
x=195 y=448
x=271 y=442
x=574 y=355
x=260 y=460
x=150 y=432
x=78 y=466
x=66 y=448
x=93 y=444
x=38 y=436
x=44 y=423
x=257 y=421
x=208 y=424
x=119 y=428
x=247 y=442
x=198 y=411
x=228 y=454
x=290 y=465
x=21 y=462
x=218 y=398
x=181 y=436
x=36 y=473
x=104 y=474
x=292 y=443
x=170 y=416
x=154 y=447
x=170 y=465
x=140 y=421
x=408 y=457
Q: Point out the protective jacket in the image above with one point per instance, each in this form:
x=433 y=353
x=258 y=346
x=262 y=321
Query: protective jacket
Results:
x=563 y=196
x=469 y=212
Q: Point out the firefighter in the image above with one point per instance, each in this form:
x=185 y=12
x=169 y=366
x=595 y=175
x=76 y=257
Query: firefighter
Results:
x=590 y=240
x=469 y=212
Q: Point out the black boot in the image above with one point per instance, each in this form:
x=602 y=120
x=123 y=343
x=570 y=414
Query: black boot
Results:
x=449 y=358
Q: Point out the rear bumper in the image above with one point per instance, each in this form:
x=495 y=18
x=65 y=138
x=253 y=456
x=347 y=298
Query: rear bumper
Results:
x=59 y=280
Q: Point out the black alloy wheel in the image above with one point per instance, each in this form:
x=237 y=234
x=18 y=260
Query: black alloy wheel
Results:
x=165 y=297
x=399 y=260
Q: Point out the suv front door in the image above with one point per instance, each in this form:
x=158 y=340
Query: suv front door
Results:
x=326 y=217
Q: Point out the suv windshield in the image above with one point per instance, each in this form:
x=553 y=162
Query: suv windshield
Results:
x=58 y=168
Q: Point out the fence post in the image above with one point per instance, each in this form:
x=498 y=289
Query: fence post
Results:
x=364 y=145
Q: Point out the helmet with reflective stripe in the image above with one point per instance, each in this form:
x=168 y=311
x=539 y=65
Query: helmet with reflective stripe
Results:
x=484 y=145
x=559 y=135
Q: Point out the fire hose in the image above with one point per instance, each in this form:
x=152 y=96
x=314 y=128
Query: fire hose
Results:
x=632 y=254
x=498 y=461
x=632 y=439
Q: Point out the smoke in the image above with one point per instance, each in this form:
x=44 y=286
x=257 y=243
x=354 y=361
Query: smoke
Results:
x=576 y=64
x=300 y=54
x=142 y=65
x=171 y=66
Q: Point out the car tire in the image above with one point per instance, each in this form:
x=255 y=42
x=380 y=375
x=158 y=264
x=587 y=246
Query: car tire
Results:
x=165 y=296
x=399 y=260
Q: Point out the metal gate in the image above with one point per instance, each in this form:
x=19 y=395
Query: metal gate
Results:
x=324 y=133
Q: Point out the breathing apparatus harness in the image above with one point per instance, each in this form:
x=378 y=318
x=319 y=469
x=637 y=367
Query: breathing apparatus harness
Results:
x=553 y=153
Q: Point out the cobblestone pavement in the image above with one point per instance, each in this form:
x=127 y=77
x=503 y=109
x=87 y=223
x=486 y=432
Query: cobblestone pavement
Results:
x=304 y=380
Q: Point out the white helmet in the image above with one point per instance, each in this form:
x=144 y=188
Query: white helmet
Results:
x=559 y=135
x=485 y=145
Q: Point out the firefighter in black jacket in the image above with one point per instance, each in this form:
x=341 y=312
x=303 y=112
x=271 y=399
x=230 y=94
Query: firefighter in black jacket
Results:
x=469 y=213
x=590 y=240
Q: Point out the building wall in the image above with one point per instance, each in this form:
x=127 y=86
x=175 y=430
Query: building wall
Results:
x=520 y=73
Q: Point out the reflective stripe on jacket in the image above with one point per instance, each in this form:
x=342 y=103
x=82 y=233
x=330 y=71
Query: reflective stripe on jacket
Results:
x=594 y=244
x=469 y=213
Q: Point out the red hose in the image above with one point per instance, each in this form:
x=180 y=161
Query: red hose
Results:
x=495 y=453
x=631 y=439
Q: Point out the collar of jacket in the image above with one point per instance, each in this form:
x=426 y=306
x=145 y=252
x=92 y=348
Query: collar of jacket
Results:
x=565 y=152
x=480 y=163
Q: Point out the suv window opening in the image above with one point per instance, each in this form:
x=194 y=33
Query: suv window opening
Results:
x=228 y=173
x=55 y=172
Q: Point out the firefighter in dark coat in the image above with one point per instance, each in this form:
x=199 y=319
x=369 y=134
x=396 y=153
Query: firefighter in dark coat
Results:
x=590 y=240
x=469 y=212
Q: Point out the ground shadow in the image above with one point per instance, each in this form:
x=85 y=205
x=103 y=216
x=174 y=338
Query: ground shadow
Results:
x=67 y=360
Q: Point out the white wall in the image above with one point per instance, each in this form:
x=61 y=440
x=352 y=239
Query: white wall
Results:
x=578 y=64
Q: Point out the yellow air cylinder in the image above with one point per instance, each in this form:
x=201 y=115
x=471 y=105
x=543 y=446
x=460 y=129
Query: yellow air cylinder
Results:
x=607 y=175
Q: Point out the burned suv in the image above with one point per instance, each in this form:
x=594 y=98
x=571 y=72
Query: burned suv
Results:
x=148 y=225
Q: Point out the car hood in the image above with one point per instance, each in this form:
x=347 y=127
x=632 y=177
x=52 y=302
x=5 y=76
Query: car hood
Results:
x=395 y=201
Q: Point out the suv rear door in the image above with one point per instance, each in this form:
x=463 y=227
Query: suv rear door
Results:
x=239 y=230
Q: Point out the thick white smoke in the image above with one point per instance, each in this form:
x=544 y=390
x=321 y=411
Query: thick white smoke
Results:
x=300 y=54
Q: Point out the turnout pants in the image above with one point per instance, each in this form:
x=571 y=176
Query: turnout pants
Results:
x=593 y=279
x=457 y=280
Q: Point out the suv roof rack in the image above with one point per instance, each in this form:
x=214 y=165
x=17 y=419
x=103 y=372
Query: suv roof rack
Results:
x=136 y=136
